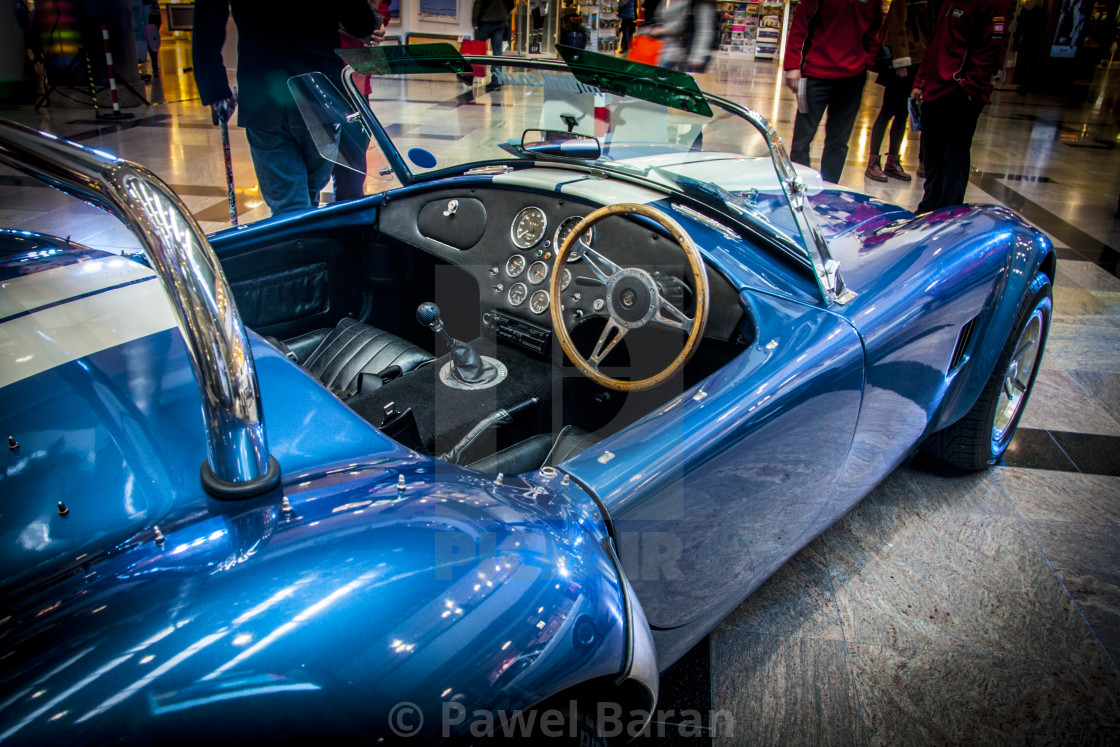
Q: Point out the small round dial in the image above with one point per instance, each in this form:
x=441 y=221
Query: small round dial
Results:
x=584 y=241
x=515 y=265
x=517 y=294
x=538 y=304
x=565 y=278
x=538 y=271
x=528 y=227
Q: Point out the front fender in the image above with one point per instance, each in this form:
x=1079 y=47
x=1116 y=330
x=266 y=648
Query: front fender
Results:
x=363 y=591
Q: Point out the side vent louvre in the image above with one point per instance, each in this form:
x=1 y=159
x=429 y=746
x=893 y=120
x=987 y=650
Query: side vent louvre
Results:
x=963 y=339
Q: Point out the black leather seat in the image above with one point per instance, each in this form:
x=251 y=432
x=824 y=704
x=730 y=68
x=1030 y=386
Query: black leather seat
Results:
x=537 y=451
x=338 y=357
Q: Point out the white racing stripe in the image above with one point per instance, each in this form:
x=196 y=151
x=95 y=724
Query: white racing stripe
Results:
x=44 y=339
x=602 y=191
x=611 y=192
x=37 y=289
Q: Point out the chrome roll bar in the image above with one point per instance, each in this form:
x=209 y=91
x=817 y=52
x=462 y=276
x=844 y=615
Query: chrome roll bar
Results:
x=238 y=463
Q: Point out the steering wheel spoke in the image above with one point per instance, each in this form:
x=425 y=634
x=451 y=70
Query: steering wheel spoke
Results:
x=612 y=335
x=600 y=266
x=668 y=315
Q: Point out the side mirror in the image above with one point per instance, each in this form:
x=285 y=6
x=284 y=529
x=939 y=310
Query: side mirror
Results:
x=556 y=143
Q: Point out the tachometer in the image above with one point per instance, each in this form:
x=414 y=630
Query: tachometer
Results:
x=584 y=241
x=538 y=304
x=528 y=227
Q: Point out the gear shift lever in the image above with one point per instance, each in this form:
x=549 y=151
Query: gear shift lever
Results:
x=467 y=366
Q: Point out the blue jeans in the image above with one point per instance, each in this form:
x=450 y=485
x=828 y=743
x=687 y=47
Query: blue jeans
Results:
x=496 y=33
x=289 y=168
x=841 y=97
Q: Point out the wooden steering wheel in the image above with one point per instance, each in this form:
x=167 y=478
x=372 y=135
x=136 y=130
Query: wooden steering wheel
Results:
x=628 y=297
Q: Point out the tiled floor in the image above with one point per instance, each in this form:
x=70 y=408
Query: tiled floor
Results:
x=945 y=608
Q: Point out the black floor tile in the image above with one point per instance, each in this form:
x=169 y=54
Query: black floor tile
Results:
x=1034 y=449
x=685 y=698
x=1092 y=454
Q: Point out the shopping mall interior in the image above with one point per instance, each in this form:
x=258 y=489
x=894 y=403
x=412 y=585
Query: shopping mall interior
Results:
x=945 y=608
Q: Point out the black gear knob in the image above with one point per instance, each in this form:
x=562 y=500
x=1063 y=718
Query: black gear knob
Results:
x=427 y=314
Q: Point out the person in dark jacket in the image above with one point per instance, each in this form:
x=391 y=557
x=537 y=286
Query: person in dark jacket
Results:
x=831 y=46
x=952 y=85
x=276 y=40
x=490 y=19
x=627 y=15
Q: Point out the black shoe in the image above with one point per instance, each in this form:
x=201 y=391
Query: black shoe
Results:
x=467 y=80
x=492 y=86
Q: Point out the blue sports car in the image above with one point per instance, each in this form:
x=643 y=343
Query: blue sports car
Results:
x=481 y=452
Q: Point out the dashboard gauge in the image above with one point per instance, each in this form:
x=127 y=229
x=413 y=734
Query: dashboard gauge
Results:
x=515 y=265
x=517 y=294
x=584 y=242
x=528 y=227
x=538 y=304
x=538 y=271
x=565 y=278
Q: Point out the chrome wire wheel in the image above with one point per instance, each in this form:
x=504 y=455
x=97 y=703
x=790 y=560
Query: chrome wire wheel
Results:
x=1017 y=380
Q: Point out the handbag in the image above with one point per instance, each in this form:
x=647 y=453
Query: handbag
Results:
x=645 y=49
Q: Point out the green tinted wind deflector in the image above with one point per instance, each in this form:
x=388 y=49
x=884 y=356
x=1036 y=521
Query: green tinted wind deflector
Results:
x=636 y=79
x=407 y=60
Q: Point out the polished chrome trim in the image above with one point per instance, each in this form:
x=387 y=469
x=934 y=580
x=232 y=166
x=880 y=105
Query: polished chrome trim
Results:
x=825 y=268
x=237 y=447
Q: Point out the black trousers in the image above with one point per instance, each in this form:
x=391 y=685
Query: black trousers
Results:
x=948 y=124
x=896 y=94
x=841 y=97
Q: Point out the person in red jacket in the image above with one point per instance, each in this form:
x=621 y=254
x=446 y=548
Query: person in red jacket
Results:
x=831 y=46
x=952 y=85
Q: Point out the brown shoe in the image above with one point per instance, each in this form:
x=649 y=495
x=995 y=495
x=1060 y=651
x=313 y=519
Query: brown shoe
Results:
x=894 y=168
x=873 y=169
x=921 y=170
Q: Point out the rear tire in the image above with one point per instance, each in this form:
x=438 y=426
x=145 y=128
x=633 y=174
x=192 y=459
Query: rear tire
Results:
x=979 y=438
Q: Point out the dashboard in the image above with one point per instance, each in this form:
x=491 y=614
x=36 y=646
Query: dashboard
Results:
x=507 y=240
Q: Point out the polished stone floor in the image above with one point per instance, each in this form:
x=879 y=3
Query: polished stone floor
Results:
x=945 y=608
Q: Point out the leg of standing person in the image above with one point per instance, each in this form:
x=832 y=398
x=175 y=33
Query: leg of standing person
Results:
x=948 y=124
x=843 y=106
x=628 y=25
x=317 y=168
x=280 y=170
x=703 y=31
x=817 y=93
x=874 y=168
x=896 y=97
x=348 y=184
x=289 y=169
x=494 y=32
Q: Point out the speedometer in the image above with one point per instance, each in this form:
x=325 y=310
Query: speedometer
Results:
x=528 y=227
x=584 y=242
